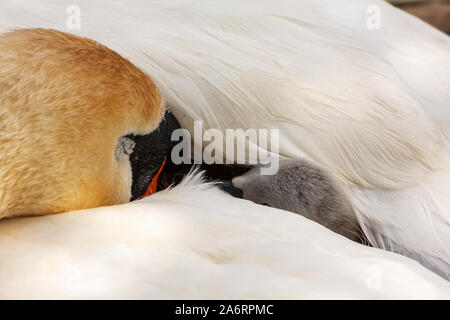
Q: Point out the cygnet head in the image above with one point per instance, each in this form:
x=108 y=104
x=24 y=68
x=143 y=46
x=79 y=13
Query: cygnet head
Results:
x=304 y=188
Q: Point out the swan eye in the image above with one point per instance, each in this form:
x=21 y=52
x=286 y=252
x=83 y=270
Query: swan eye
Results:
x=124 y=147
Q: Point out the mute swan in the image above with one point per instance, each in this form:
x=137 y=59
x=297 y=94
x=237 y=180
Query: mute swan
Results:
x=193 y=241
x=197 y=242
x=80 y=126
x=368 y=103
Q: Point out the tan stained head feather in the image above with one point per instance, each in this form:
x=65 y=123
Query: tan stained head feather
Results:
x=64 y=103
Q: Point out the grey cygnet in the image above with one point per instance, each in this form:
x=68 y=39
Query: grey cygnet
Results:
x=303 y=188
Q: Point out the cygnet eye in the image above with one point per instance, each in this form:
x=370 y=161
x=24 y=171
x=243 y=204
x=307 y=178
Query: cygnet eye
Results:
x=124 y=147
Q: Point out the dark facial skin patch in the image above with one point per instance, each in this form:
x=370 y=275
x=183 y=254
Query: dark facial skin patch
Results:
x=149 y=153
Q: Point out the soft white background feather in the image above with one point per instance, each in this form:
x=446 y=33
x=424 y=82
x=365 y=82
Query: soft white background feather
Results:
x=372 y=106
x=197 y=242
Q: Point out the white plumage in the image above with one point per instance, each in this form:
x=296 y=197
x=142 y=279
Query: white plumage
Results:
x=372 y=106
x=194 y=242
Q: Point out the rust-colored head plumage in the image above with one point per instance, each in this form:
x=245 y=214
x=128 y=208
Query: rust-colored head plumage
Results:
x=64 y=103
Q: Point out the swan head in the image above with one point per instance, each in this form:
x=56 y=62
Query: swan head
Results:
x=80 y=126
